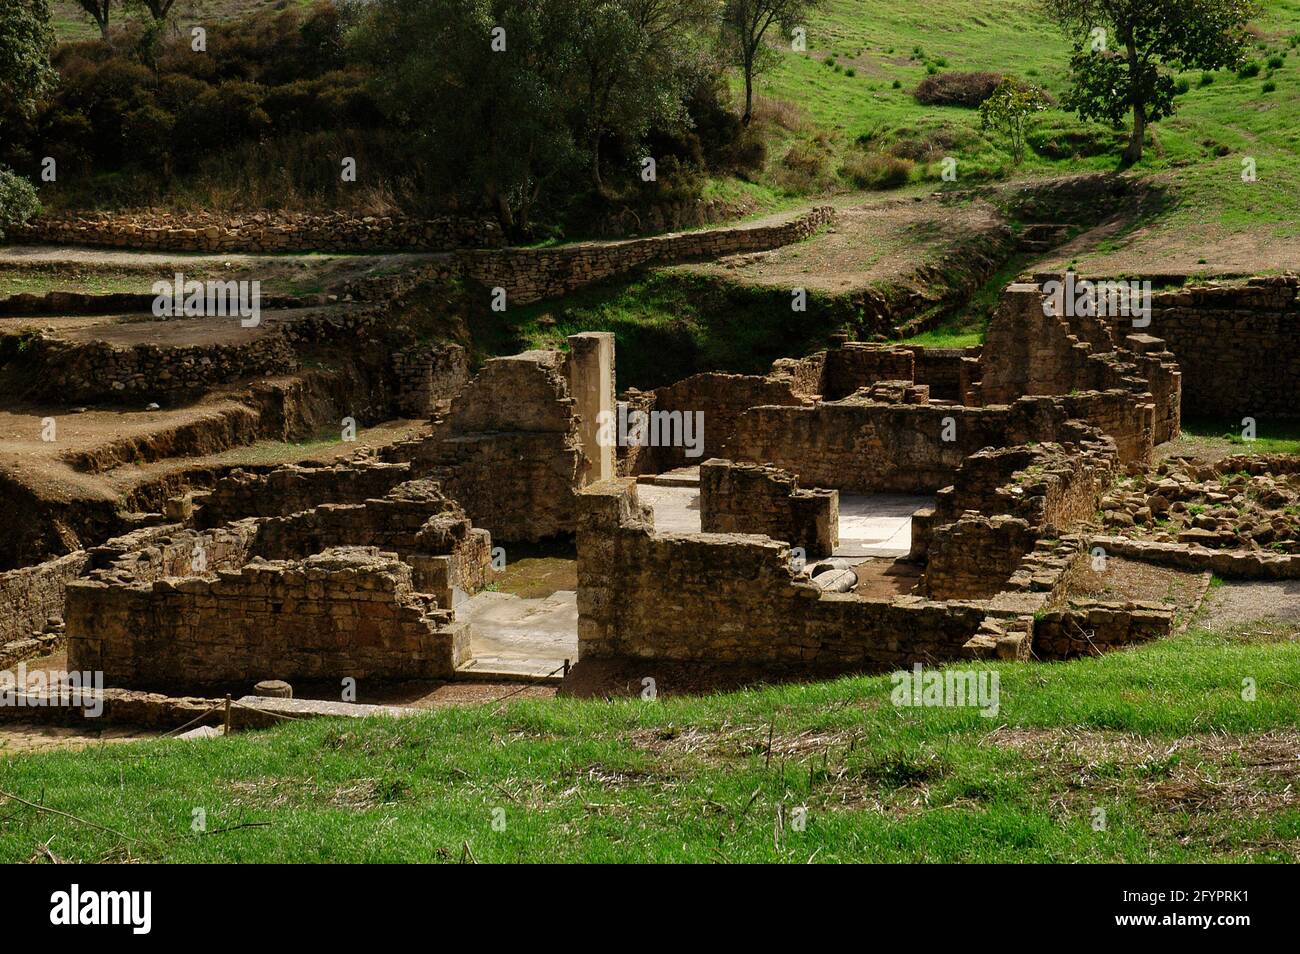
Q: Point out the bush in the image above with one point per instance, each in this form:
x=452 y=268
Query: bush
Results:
x=1207 y=79
x=18 y=201
x=1248 y=70
x=957 y=89
x=1182 y=86
x=876 y=170
x=803 y=169
x=1276 y=61
x=1268 y=87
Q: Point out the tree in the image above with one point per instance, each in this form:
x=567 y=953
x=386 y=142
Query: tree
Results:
x=1151 y=37
x=1007 y=110
x=744 y=27
x=480 y=84
x=512 y=99
x=25 y=41
x=633 y=69
x=25 y=74
x=159 y=9
x=98 y=10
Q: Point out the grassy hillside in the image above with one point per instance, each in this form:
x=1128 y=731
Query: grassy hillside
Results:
x=1159 y=739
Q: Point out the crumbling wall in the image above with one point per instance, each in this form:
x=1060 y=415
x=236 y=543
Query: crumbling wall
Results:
x=860 y=445
x=345 y=612
x=293 y=488
x=732 y=598
x=751 y=498
x=509 y=450
x=415 y=521
x=32 y=595
x=1030 y=352
x=721 y=399
x=1238 y=347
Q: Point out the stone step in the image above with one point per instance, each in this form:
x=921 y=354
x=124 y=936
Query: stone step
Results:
x=501 y=669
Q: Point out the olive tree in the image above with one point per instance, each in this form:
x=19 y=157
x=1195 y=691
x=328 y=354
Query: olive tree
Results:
x=1125 y=49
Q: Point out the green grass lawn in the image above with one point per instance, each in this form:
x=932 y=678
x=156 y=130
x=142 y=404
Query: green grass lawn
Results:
x=1272 y=437
x=1221 y=119
x=1158 y=739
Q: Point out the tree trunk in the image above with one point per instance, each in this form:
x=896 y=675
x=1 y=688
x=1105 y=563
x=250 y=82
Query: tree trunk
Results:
x=103 y=28
x=1133 y=153
x=749 y=94
x=595 y=165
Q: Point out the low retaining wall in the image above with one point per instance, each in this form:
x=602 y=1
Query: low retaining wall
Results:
x=259 y=232
x=533 y=274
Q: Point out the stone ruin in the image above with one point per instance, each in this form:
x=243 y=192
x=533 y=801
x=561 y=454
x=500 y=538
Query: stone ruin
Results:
x=1035 y=450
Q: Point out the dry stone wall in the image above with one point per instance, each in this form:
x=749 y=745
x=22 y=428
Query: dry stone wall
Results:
x=732 y=598
x=534 y=274
x=751 y=498
x=1238 y=347
x=259 y=232
x=345 y=612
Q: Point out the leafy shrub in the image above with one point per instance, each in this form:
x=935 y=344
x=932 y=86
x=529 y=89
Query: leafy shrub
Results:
x=18 y=201
x=1249 y=69
x=1207 y=79
x=957 y=89
x=1276 y=61
x=1268 y=87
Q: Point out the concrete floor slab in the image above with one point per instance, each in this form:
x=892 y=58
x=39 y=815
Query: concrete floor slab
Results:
x=875 y=525
x=878 y=525
x=677 y=509
x=512 y=637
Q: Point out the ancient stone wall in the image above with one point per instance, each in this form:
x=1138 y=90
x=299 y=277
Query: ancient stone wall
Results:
x=974 y=557
x=859 y=445
x=856 y=365
x=720 y=398
x=1237 y=346
x=292 y=488
x=259 y=232
x=1030 y=352
x=428 y=378
x=533 y=274
x=731 y=598
x=345 y=612
x=92 y=371
x=1095 y=628
x=415 y=521
x=509 y=450
x=98 y=371
x=751 y=498
x=32 y=595
x=948 y=372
